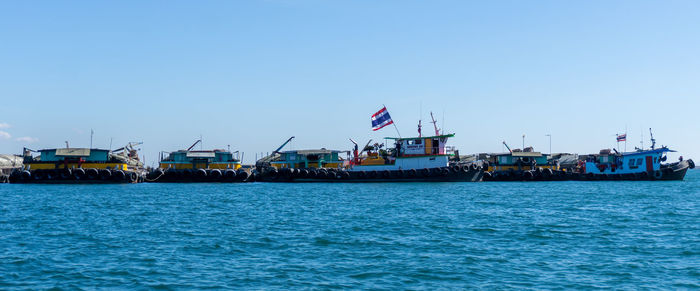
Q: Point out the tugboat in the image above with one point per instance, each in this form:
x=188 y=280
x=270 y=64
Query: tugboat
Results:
x=80 y=165
x=412 y=159
x=189 y=165
x=642 y=164
x=419 y=159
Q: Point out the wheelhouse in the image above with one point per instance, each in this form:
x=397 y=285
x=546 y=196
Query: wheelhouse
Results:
x=421 y=146
x=204 y=159
x=521 y=160
x=311 y=158
x=607 y=162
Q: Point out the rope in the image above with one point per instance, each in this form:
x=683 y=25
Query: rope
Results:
x=154 y=179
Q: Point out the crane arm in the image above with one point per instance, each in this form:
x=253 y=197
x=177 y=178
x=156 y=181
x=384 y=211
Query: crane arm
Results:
x=505 y=144
x=363 y=149
x=284 y=144
x=194 y=144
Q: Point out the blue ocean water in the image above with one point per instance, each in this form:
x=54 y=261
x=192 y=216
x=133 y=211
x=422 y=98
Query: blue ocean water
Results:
x=537 y=235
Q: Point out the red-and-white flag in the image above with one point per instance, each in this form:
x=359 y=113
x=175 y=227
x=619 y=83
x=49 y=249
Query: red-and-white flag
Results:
x=381 y=119
x=622 y=137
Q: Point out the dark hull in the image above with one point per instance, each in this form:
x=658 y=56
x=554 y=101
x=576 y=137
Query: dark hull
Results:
x=63 y=176
x=470 y=175
x=667 y=172
x=197 y=176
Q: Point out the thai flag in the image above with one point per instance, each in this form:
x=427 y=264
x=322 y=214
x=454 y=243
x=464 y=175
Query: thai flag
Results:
x=381 y=119
x=622 y=137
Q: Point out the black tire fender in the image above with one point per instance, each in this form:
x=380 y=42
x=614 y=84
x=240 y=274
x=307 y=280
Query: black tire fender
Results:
x=105 y=174
x=26 y=175
x=119 y=175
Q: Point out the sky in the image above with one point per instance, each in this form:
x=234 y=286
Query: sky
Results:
x=250 y=74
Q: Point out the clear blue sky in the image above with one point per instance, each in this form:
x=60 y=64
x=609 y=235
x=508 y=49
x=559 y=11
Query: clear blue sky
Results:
x=252 y=73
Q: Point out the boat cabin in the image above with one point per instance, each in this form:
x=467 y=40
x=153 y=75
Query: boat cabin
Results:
x=607 y=162
x=421 y=146
x=312 y=158
x=204 y=159
x=518 y=159
x=60 y=158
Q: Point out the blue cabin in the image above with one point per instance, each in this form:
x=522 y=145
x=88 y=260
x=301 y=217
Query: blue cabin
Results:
x=642 y=161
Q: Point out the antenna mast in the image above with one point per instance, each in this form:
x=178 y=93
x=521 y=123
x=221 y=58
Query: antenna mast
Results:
x=437 y=130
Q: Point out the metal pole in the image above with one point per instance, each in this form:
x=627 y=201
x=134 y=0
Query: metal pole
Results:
x=394 y=123
x=397 y=129
x=523 y=142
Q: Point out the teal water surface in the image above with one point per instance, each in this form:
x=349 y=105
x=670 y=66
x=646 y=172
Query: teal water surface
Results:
x=537 y=235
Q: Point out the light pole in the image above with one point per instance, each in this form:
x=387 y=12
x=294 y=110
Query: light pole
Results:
x=523 y=142
x=550 y=143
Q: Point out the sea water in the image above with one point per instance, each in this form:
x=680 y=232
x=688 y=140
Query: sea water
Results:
x=537 y=235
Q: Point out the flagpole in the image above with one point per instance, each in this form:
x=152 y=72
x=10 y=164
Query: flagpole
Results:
x=394 y=123
x=397 y=129
x=625 y=138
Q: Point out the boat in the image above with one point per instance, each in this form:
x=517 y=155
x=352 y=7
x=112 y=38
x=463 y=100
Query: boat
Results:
x=641 y=164
x=410 y=159
x=609 y=164
x=521 y=165
x=638 y=165
x=80 y=165
x=422 y=158
x=190 y=165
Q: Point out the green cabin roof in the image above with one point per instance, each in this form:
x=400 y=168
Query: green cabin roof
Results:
x=423 y=137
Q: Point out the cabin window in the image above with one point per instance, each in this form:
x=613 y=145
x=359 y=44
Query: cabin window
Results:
x=414 y=141
x=632 y=163
x=639 y=162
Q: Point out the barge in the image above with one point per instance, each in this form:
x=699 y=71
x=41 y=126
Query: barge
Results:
x=80 y=165
x=189 y=165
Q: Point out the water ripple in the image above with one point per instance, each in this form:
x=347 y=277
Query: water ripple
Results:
x=560 y=235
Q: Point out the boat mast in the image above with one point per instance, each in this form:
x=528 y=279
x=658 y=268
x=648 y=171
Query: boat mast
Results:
x=437 y=130
x=419 y=129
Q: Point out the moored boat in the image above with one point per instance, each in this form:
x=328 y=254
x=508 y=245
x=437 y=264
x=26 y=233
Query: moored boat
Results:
x=80 y=165
x=410 y=159
x=522 y=165
x=638 y=165
x=189 y=165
